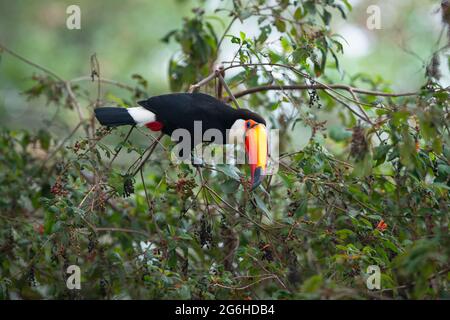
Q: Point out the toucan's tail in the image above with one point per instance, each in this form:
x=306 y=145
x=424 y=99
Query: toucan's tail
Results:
x=112 y=117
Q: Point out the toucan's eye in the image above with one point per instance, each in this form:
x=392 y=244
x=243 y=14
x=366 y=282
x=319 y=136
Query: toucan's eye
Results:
x=249 y=124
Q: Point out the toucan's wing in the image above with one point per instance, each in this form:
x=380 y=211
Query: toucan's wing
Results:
x=165 y=105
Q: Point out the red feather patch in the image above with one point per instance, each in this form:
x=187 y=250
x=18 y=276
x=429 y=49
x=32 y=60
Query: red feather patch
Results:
x=154 y=126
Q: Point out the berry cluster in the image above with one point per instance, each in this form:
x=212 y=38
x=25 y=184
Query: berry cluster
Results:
x=58 y=189
x=128 y=186
x=92 y=242
x=204 y=233
x=185 y=186
x=79 y=146
x=103 y=287
x=314 y=100
x=267 y=253
x=32 y=277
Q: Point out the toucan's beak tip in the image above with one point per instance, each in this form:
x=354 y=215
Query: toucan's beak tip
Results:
x=258 y=177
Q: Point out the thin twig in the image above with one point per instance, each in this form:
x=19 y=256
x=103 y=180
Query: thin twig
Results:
x=95 y=73
x=62 y=143
x=73 y=100
x=152 y=148
x=224 y=84
x=220 y=85
x=225 y=32
x=86 y=196
x=348 y=107
x=145 y=234
x=106 y=81
x=31 y=63
x=232 y=207
x=149 y=203
x=319 y=87
x=358 y=103
x=121 y=146
x=201 y=83
x=244 y=287
x=36 y=255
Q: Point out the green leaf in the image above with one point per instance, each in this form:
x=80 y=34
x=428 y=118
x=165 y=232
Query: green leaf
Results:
x=388 y=244
x=230 y=171
x=326 y=17
x=230 y=186
x=262 y=206
x=300 y=55
x=342 y=11
x=344 y=233
x=44 y=139
x=443 y=169
x=116 y=180
x=380 y=153
x=275 y=106
x=280 y=25
x=348 y=5
x=185 y=236
x=49 y=220
x=312 y=284
x=364 y=167
x=437 y=145
x=235 y=40
x=298 y=14
x=302 y=208
x=339 y=133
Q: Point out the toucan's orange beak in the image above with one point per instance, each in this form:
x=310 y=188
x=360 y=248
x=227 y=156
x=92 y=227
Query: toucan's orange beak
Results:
x=256 y=148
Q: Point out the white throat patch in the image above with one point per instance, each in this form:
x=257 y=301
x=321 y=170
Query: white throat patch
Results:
x=236 y=133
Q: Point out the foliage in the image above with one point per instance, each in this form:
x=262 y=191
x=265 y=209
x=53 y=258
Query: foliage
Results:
x=373 y=189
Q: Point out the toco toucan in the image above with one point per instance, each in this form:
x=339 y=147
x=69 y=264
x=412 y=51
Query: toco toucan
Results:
x=169 y=112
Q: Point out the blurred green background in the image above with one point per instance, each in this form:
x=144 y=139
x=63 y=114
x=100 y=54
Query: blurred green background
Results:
x=126 y=36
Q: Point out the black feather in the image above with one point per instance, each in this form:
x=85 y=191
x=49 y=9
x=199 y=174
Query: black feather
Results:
x=111 y=117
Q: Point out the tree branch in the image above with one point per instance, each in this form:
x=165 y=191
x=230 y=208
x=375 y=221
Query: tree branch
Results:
x=31 y=63
x=244 y=287
x=219 y=72
x=121 y=146
x=151 y=149
x=318 y=87
x=104 y=80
